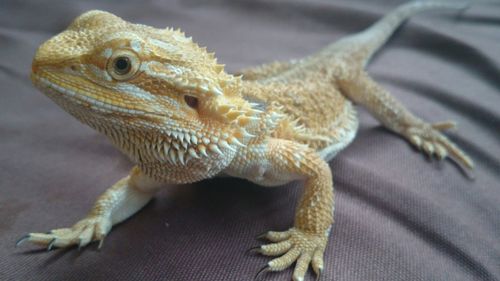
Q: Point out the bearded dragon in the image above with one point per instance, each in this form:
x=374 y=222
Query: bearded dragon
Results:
x=180 y=117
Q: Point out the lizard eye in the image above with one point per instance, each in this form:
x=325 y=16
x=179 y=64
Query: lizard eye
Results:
x=123 y=65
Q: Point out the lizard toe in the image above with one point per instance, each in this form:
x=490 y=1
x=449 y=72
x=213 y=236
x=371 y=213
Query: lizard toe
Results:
x=275 y=236
x=445 y=125
x=428 y=148
x=296 y=246
x=275 y=248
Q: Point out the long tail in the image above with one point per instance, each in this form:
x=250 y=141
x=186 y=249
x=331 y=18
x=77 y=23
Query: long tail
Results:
x=376 y=35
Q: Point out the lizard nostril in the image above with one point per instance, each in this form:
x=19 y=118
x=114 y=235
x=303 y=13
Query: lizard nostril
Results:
x=34 y=68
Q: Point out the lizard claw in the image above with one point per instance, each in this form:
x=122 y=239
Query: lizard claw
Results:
x=318 y=275
x=261 y=236
x=80 y=244
x=253 y=250
x=261 y=271
x=51 y=244
x=101 y=242
x=22 y=239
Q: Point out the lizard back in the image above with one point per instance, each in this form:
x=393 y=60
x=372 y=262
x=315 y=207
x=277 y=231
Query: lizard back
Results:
x=316 y=113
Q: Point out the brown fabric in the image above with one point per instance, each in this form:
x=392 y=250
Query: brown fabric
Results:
x=398 y=216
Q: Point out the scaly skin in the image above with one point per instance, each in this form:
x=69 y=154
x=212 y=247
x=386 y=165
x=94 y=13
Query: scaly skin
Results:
x=168 y=105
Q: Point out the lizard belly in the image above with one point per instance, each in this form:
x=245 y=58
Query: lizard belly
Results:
x=345 y=131
x=329 y=152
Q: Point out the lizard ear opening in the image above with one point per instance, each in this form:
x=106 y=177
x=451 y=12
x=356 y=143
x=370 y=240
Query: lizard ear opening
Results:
x=191 y=101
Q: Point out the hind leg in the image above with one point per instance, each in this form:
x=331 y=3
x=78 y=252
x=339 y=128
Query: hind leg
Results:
x=425 y=136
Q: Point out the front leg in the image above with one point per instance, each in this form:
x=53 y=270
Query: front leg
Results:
x=306 y=241
x=116 y=204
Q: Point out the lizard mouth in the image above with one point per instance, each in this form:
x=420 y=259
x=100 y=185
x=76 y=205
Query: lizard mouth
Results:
x=72 y=89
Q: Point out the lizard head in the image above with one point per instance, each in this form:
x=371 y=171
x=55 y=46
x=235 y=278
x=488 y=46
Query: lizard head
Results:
x=143 y=86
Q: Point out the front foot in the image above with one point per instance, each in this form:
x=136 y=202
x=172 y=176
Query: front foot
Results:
x=428 y=137
x=92 y=228
x=294 y=245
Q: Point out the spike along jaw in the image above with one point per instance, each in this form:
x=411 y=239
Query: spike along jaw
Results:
x=159 y=97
